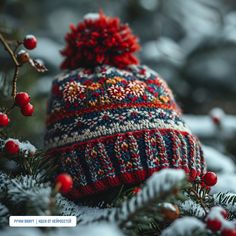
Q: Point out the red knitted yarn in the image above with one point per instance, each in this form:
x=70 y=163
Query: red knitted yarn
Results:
x=103 y=40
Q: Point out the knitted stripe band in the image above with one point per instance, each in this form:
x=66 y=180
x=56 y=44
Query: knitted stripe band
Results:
x=104 y=142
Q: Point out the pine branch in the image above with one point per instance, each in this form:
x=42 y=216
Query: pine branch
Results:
x=226 y=200
x=158 y=188
x=30 y=195
x=4 y=181
x=186 y=226
x=4 y=214
x=190 y=207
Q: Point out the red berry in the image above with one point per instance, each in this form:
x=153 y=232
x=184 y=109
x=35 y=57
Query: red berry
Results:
x=136 y=190
x=27 y=110
x=4 y=120
x=22 y=99
x=213 y=224
x=224 y=213
x=30 y=42
x=228 y=232
x=217 y=115
x=216 y=120
x=210 y=178
x=65 y=182
x=11 y=147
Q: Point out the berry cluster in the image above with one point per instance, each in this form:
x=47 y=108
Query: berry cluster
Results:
x=217 y=221
x=22 y=100
x=13 y=147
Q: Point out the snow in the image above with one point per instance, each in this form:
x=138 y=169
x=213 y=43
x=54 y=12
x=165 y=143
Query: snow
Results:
x=225 y=183
x=95 y=229
x=27 y=148
x=215 y=213
x=21 y=52
x=99 y=229
x=20 y=232
x=159 y=183
x=192 y=208
x=29 y=36
x=91 y=16
x=84 y=214
x=217 y=113
x=89 y=213
x=12 y=139
x=203 y=127
x=217 y=161
x=183 y=226
x=169 y=206
x=229 y=206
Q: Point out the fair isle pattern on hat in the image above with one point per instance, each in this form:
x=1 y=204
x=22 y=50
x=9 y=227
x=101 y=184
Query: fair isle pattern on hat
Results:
x=111 y=126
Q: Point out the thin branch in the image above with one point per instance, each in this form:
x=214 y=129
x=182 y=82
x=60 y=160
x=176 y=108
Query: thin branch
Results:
x=8 y=49
x=17 y=64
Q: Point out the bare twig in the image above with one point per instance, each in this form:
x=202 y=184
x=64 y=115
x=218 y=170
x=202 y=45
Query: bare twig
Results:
x=14 y=59
x=8 y=49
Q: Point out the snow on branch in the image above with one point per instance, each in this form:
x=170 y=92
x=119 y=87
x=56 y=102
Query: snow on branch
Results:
x=102 y=229
x=3 y=183
x=227 y=200
x=83 y=213
x=4 y=214
x=190 y=207
x=26 y=190
x=203 y=127
x=157 y=188
x=184 y=226
x=217 y=161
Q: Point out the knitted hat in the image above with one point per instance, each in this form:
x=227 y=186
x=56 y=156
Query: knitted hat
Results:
x=110 y=120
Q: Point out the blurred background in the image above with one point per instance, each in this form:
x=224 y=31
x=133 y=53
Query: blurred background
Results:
x=191 y=43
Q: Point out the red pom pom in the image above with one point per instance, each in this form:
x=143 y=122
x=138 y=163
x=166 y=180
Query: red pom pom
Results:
x=22 y=99
x=65 y=182
x=11 y=147
x=4 y=120
x=30 y=42
x=27 y=110
x=100 y=40
x=210 y=178
x=214 y=224
x=228 y=232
